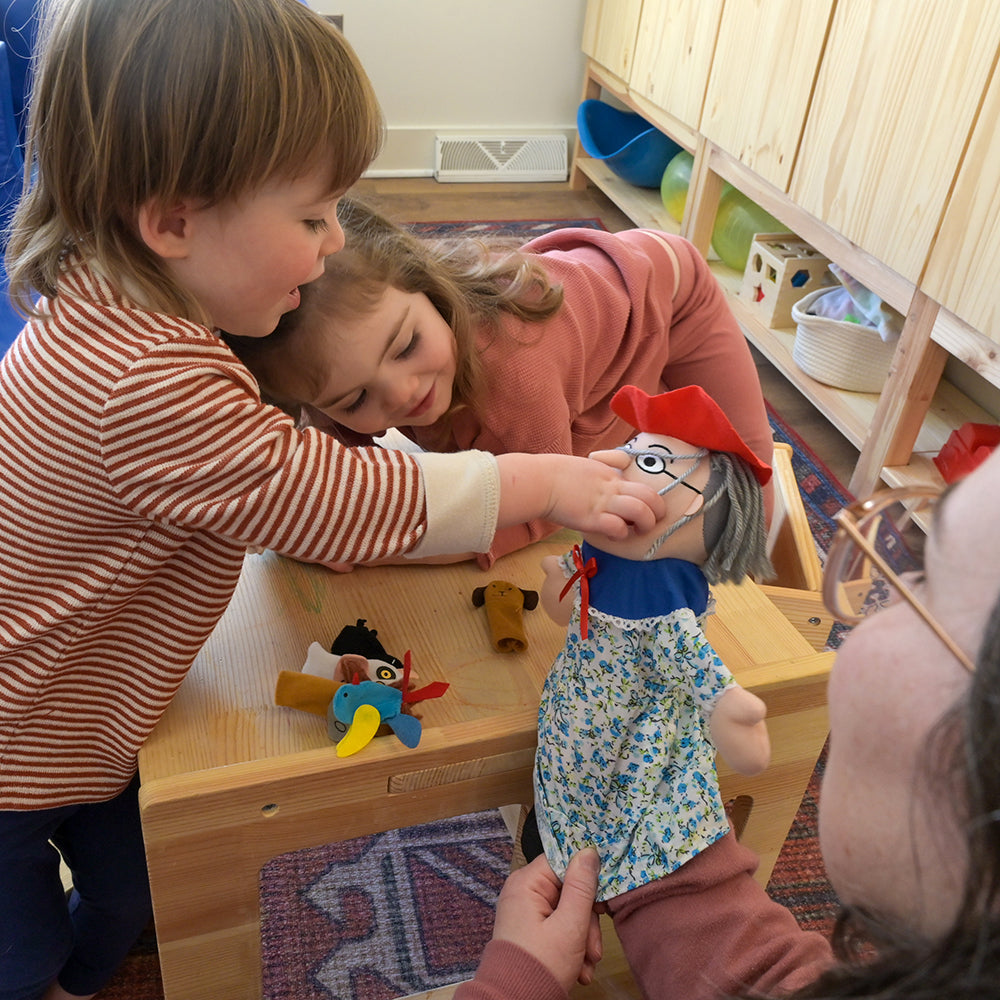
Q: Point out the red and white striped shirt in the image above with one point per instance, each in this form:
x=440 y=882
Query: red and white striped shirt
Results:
x=136 y=464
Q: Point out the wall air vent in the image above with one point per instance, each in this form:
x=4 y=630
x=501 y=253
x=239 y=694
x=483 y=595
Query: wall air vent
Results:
x=500 y=158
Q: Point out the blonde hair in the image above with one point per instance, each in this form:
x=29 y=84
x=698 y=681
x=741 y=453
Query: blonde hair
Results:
x=471 y=282
x=139 y=100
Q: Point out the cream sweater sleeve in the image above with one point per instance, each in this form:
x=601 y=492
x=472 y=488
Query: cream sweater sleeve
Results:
x=462 y=493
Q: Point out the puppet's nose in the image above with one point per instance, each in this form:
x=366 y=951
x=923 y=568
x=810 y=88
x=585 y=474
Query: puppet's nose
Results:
x=614 y=457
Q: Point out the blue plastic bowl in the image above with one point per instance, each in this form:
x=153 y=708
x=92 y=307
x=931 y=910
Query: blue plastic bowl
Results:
x=631 y=147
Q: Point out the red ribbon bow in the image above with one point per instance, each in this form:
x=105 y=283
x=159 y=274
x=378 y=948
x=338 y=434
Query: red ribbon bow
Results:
x=584 y=571
x=433 y=690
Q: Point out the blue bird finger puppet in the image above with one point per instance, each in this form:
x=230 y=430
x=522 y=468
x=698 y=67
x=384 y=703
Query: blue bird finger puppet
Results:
x=364 y=705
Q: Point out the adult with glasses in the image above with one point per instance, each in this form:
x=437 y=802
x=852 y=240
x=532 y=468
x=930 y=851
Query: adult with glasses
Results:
x=909 y=807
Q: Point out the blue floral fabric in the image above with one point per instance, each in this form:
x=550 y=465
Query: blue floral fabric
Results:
x=624 y=761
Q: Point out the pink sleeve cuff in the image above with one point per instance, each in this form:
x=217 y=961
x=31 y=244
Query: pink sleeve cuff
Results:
x=507 y=972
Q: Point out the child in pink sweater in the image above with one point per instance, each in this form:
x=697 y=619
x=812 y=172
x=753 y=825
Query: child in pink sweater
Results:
x=465 y=344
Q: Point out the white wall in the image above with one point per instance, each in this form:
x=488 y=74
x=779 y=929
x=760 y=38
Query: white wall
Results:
x=465 y=66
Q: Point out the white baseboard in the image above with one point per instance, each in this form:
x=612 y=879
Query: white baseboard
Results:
x=375 y=174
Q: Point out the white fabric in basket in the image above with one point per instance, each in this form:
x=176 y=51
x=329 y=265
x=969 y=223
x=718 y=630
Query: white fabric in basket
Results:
x=856 y=304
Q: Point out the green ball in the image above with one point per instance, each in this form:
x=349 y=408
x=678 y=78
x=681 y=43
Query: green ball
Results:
x=674 y=184
x=737 y=221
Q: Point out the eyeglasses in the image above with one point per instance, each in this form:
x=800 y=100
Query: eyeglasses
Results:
x=877 y=548
x=658 y=462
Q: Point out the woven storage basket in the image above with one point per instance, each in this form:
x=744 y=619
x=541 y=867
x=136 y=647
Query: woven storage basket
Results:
x=844 y=355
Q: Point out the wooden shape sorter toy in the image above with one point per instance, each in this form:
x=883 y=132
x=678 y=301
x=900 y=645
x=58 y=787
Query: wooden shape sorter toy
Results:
x=780 y=270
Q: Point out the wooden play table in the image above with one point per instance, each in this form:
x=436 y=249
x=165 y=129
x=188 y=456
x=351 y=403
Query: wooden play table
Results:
x=230 y=781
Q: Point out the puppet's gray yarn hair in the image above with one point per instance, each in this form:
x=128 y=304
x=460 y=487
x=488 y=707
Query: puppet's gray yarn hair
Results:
x=734 y=530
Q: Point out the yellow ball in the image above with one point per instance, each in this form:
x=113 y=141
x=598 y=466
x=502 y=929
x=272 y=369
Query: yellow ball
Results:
x=674 y=184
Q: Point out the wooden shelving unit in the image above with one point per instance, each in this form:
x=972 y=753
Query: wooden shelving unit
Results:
x=642 y=205
x=858 y=416
x=870 y=132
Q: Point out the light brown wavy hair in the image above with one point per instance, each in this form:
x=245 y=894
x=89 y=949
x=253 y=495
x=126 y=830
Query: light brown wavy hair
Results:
x=136 y=100
x=471 y=282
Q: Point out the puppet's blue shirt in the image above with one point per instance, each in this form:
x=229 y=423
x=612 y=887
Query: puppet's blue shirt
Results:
x=630 y=588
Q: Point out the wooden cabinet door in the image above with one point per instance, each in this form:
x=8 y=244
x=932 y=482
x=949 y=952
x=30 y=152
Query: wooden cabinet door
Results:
x=896 y=96
x=609 y=34
x=765 y=65
x=962 y=272
x=673 y=55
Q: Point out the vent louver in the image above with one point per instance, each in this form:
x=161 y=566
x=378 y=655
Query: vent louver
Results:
x=500 y=158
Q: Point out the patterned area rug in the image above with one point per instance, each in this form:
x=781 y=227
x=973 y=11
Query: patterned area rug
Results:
x=522 y=229
x=798 y=879
x=382 y=916
x=401 y=912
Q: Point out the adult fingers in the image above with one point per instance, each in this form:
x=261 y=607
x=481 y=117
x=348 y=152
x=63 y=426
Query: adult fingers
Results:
x=580 y=885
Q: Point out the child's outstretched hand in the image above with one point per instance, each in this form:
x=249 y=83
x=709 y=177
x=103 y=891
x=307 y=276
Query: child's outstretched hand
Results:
x=578 y=493
x=554 y=923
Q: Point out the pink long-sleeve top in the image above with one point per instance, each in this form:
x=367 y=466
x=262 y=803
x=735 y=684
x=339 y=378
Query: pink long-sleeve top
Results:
x=641 y=308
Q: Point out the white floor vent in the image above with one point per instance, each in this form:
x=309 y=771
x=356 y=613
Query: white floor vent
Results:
x=500 y=158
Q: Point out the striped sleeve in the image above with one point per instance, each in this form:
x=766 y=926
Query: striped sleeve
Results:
x=185 y=439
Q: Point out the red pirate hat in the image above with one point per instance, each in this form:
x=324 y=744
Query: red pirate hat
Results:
x=690 y=414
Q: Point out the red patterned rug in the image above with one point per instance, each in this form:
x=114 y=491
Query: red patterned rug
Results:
x=522 y=229
x=798 y=879
x=382 y=916
x=404 y=911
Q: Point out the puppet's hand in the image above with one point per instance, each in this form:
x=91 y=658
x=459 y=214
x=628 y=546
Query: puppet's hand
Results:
x=739 y=731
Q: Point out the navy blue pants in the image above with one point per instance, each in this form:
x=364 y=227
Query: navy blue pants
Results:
x=82 y=940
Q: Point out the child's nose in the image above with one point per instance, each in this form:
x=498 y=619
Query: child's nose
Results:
x=334 y=241
x=400 y=391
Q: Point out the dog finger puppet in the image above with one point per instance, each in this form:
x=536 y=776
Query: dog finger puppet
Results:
x=504 y=603
x=637 y=703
